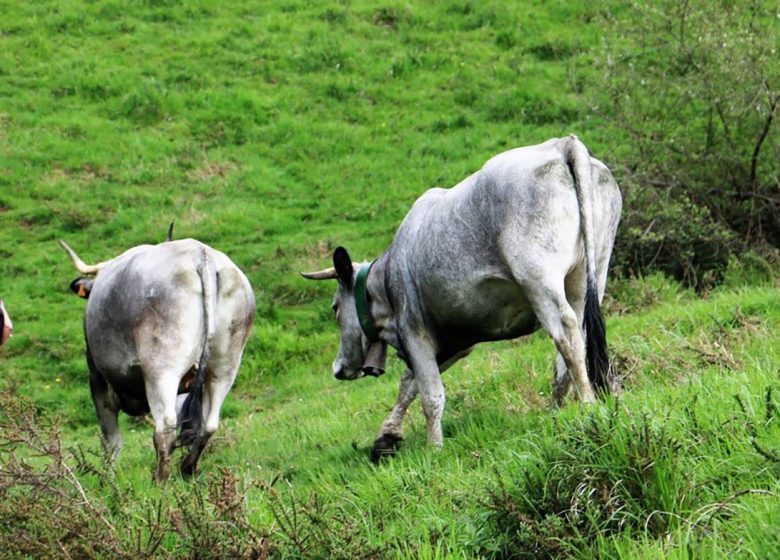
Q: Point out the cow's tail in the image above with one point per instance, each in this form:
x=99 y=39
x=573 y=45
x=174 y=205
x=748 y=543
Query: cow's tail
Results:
x=191 y=418
x=597 y=360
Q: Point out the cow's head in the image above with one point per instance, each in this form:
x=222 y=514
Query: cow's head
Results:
x=82 y=285
x=5 y=323
x=353 y=345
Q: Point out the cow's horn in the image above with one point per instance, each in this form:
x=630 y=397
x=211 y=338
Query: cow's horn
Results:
x=327 y=274
x=78 y=263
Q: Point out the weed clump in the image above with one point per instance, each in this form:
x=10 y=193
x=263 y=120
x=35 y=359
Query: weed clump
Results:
x=598 y=480
x=317 y=528
x=45 y=512
x=56 y=503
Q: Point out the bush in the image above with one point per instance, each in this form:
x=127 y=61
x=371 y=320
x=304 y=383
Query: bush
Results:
x=750 y=269
x=675 y=237
x=692 y=90
x=634 y=295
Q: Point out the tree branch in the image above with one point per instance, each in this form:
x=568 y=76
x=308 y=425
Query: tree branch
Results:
x=761 y=138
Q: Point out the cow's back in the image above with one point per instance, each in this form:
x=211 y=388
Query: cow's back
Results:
x=527 y=191
x=464 y=246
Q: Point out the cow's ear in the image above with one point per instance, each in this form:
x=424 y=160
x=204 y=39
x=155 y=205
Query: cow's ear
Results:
x=343 y=265
x=82 y=286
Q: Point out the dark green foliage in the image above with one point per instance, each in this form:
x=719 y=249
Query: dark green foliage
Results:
x=527 y=106
x=692 y=91
x=553 y=50
x=145 y=105
x=662 y=231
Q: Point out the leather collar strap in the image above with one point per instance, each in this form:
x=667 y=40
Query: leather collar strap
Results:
x=361 y=304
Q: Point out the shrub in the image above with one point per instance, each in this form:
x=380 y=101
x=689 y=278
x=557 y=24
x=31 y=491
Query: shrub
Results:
x=667 y=232
x=750 y=269
x=61 y=503
x=692 y=91
x=44 y=510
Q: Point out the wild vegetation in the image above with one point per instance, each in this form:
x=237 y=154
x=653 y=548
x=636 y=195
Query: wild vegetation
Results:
x=277 y=131
x=695 y=90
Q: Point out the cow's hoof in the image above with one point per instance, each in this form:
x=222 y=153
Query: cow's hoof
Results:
x=160 y=477
x=187 y=467
x=385 y=446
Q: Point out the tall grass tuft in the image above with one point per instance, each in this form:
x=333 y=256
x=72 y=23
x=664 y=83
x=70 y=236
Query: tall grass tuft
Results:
x=614 y=473
x=604 y=474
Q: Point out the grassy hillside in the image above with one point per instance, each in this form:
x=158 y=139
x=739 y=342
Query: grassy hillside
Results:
x=275 y=132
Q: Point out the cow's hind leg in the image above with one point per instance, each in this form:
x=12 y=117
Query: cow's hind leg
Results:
x=561 y=380
x=560 y=321
x=107 y=405
x=575 y=295
x=161 y=393
x=215 y=390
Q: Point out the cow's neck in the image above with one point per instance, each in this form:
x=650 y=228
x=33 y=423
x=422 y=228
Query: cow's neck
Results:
x=361 y=304
x=378 y=304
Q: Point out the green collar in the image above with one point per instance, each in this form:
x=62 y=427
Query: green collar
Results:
x=361 y=304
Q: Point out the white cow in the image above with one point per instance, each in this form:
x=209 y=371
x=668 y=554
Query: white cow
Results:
x=163 y=320
x=524 y=242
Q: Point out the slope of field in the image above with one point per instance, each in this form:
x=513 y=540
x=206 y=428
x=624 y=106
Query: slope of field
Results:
x=275 y=132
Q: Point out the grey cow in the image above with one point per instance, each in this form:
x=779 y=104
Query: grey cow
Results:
x=524 y=242
x=163 y=320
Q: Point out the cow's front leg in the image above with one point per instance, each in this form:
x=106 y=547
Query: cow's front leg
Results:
x=392 y=430
x=422 y=359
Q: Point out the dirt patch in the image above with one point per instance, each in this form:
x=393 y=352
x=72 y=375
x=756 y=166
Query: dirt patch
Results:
x=211 y=169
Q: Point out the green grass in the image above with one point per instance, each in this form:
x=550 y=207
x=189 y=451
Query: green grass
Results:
x=277 y=131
